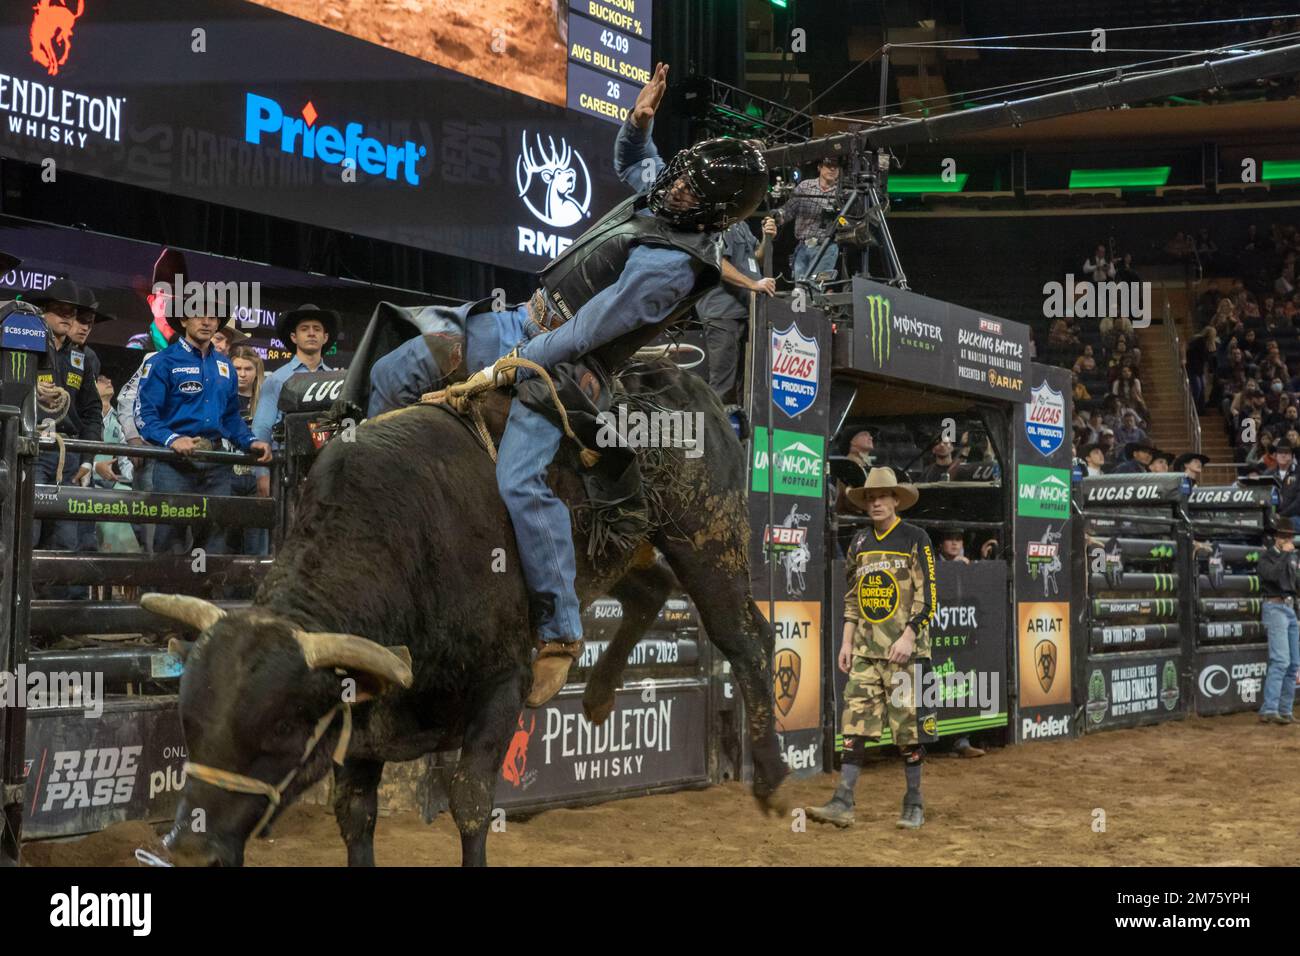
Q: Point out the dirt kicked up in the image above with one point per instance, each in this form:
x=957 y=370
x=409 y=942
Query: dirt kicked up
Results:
x=1212 y=791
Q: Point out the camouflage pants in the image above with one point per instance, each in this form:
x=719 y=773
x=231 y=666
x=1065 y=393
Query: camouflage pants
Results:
x=878 y=690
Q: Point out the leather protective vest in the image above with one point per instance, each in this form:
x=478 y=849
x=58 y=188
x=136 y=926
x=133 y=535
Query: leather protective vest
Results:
x=596 y=260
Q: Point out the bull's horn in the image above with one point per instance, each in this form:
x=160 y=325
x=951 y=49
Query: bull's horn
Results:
x=323 y=649
x=196 y=612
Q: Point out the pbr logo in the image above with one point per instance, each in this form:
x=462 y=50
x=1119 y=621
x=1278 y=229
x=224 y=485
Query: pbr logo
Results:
x=1045 y=420
x=788 y=543
x=795 y=366
x=786 y=680
x=554 y=169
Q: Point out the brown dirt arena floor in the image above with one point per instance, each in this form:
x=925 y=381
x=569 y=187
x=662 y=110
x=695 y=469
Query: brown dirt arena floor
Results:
x=456 y=35
x=1204 y=791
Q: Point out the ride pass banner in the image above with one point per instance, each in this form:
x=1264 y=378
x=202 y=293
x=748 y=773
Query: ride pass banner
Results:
x=244 y=106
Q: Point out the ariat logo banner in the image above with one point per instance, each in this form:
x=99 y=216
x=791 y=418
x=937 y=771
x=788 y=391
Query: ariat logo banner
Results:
x=1044 y=652
x=798 y=630
x=878 y=596
x=785 y=685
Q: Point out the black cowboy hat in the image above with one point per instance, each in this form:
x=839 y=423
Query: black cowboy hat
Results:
x=1133 y=446
x=1165 y=455
x=1181 y=461
x=288 y=321
x=61 y=290
x=8 y=262
x=1277 y=524
x=1088 y=447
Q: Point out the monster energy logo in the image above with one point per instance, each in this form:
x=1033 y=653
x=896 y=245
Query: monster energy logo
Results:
x=878 y=316
x=1162 y=551
x=17 y=364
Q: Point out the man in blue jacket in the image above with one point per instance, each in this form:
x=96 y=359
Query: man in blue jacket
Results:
x=188 y=401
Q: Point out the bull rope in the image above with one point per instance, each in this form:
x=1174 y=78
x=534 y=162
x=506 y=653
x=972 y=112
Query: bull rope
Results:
x=460 y=395
x=54 y=413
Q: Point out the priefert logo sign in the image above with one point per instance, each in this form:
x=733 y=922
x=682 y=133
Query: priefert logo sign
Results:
x=305 y=137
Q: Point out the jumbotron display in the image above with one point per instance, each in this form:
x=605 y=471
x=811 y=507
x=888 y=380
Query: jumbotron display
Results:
x=591 y=55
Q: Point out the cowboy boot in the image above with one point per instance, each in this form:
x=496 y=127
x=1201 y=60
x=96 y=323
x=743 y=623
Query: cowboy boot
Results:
x=838 y=810
x=551 y=669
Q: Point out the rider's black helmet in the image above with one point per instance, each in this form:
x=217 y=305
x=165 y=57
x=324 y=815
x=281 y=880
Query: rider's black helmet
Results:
x=728 y=177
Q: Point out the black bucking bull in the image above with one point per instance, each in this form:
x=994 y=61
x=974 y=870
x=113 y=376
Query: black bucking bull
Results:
x=393 y=547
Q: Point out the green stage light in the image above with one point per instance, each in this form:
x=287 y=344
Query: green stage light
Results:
x=778 y=3
x=1276 y=170
x=1134 y=177
x=922 y=183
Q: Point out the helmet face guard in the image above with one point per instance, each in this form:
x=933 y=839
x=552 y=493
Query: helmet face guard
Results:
x=727 y=177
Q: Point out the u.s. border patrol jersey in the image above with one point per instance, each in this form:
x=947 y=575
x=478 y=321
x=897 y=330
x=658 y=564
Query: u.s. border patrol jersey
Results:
x=891 y=585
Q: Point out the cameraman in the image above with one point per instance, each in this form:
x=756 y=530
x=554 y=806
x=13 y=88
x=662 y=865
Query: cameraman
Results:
x=812 y=206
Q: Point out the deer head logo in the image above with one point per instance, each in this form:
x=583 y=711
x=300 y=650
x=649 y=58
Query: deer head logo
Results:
x=554 y=168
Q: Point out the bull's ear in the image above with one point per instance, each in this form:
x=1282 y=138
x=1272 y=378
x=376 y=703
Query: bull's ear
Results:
x=388 y=666
x=191 y=611
x=179 y=648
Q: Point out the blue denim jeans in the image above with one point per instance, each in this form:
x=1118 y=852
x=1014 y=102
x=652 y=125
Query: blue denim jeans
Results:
x=1283 y=658
x=804 y=256
x=543 y=528
x=251 y=541
x=196 y=479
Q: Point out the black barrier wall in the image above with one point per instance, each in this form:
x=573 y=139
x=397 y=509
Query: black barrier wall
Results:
x=1139 y=582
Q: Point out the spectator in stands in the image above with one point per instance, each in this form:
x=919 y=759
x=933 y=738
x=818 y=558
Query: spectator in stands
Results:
x=1112 y=413
x=1278 y=583
x=952 y=546
x=1115 y=329
x=116 y=537
x=1289 y=418
x=1095 y=424
x=1137 y=459
x=227 y=339
x=1206 y=250
x=1128 y=388
x=1201 y=351
x=1086 y=362
x=1059 y=336
x=1129 y=432
x=1093 y=457
x=862 y=448
x=1125 y=272
x=188 y=401
x=249 y=373
x=308 y=329
x=1285 y=283
x=1078 y=389
x=1160 y=462
x=1261 y=456
x=1116 y=360
x=724 y=309
x=1106 y=440
x=1099 y=267
x=941 y=463
x=1191 y=463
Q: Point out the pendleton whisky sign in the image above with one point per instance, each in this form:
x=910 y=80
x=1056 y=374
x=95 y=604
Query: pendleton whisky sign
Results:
x=900 y=334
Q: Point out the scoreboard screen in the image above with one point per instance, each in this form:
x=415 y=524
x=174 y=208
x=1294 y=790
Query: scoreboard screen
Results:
x=592 y=56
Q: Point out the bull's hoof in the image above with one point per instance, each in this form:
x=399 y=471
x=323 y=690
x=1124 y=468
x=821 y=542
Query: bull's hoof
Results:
x=598 y=711
x=773 y=803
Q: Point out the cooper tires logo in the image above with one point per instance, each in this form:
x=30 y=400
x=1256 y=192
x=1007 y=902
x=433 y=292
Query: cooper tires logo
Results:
x=1215 y=681
x=554 y=169
x=878 y=596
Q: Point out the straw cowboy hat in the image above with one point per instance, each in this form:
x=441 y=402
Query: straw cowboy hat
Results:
x=883 y=478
